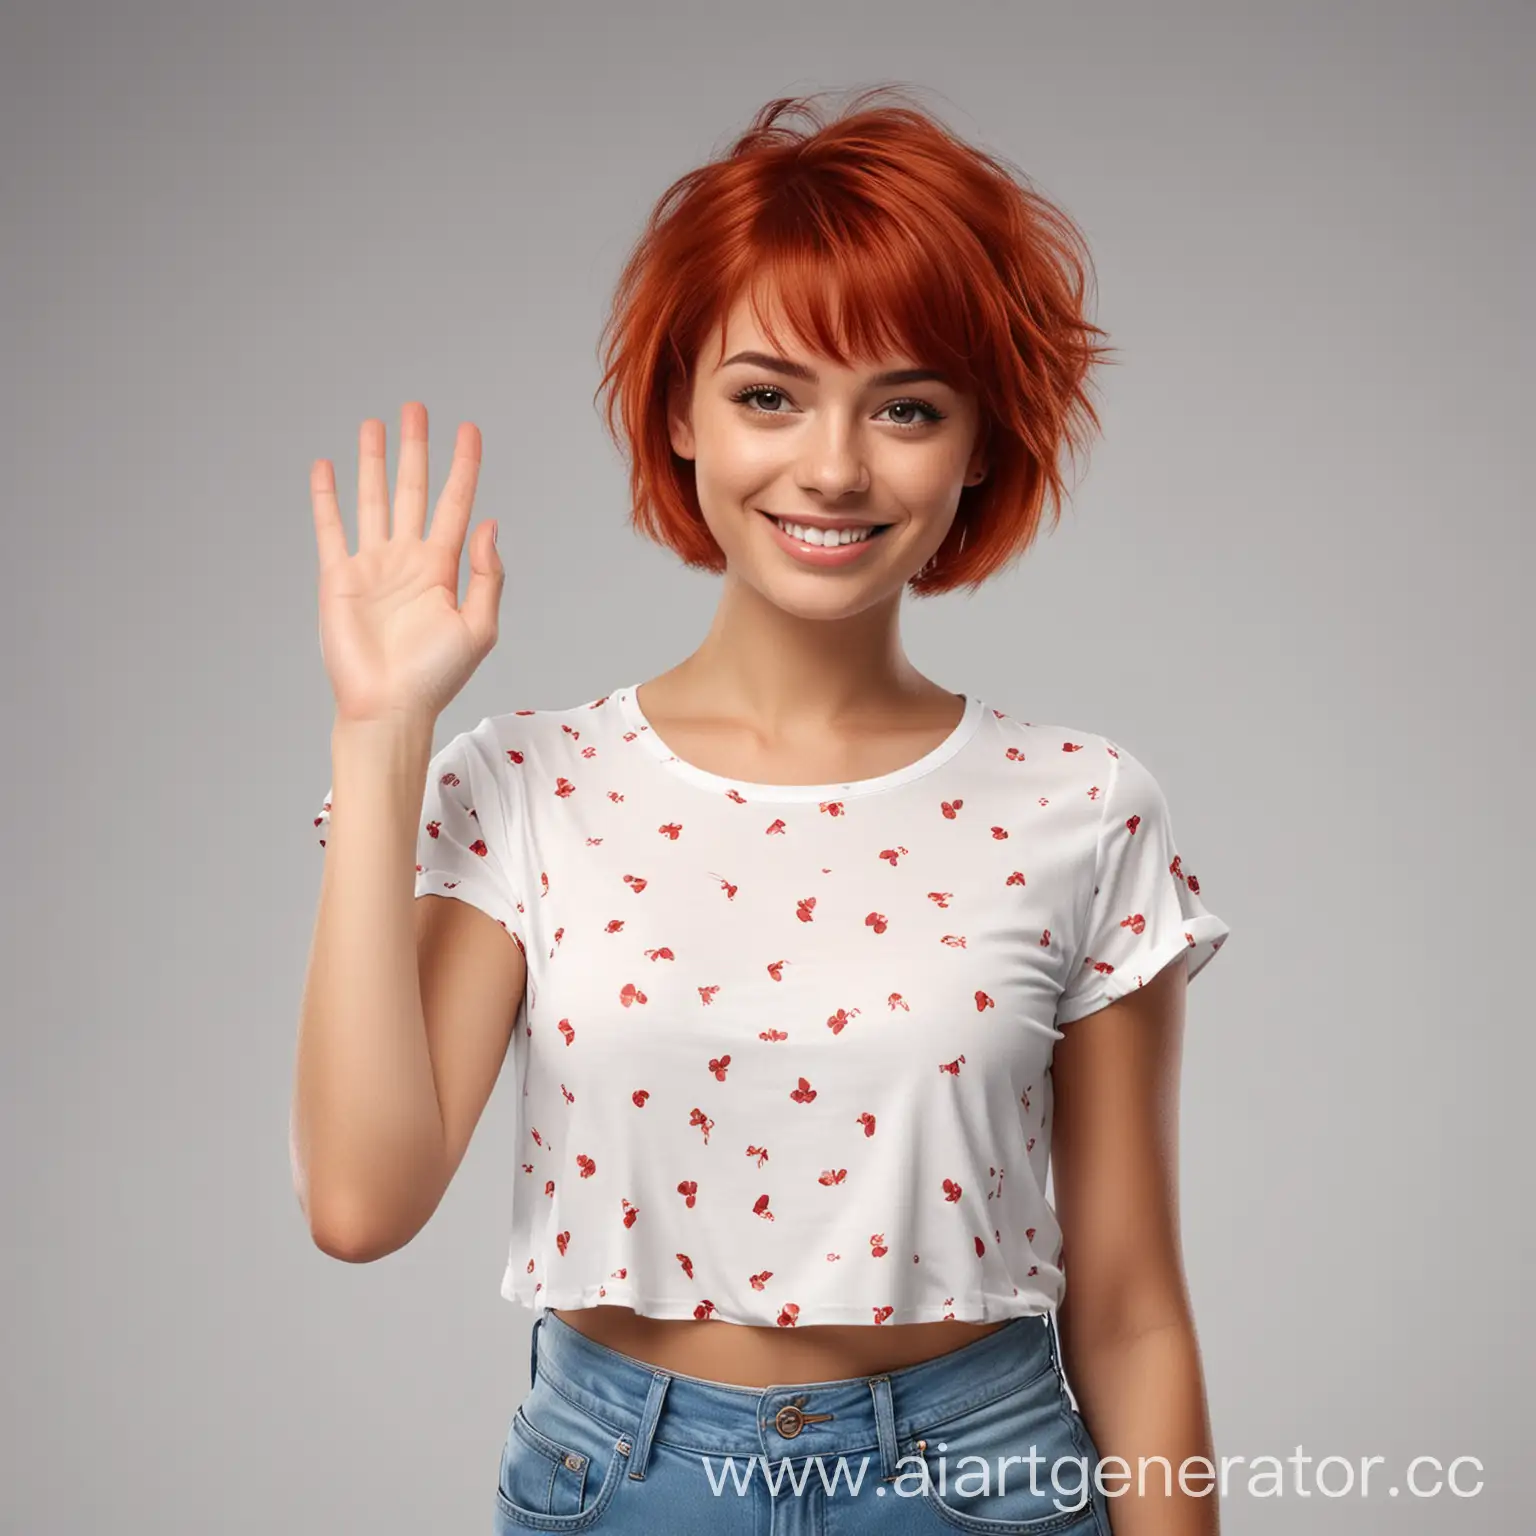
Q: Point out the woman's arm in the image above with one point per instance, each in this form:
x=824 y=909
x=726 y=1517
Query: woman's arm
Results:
x=1127 y=1332
x=366 y=1129
x=408 y=1006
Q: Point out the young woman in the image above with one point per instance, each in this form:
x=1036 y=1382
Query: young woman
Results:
x=808 y=963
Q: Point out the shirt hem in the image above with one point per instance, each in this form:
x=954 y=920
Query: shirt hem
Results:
x=993 y=1308
x=474 y=891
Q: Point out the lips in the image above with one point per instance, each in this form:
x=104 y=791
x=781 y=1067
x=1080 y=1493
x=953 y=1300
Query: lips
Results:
x=833 y=554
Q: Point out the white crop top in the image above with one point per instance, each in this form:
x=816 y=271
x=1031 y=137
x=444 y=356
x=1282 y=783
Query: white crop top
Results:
x=784 y=1054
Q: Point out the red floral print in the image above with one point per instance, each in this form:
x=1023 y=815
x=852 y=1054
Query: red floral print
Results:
x=906 y=945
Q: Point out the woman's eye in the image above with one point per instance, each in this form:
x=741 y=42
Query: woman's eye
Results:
x=756 y=393
x=928 y=413
x=753 y=396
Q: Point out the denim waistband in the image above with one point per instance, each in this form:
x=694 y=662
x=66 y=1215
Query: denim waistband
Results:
x=814 y=1418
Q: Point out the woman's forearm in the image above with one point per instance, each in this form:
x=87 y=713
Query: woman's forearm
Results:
x=1142 y=1397
x=367 y=1129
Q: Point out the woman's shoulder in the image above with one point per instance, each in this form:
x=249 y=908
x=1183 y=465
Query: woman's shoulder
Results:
x=1078 y=760
x=1054 y=737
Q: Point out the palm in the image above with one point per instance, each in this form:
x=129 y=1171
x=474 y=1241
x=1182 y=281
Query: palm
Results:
x=390 y=627
x=393 y=634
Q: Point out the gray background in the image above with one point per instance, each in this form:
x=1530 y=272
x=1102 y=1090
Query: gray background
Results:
x=1293 y=579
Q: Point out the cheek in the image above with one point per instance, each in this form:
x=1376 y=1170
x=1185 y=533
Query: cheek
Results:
x=731 y=485
x=926 y=482
x=735 y=458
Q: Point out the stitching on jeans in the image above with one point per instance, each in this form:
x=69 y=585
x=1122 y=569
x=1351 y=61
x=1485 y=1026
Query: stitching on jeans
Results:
x=536 y=1520
x=982 y=1400
x=541 y=1441
x=547 y=1380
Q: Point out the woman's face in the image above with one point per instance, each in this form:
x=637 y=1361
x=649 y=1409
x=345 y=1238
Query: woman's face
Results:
x=822 y=448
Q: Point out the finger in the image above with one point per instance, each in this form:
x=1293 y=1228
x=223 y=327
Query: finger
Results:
x=372 y=485
x=411 y=475
x=482 y=598
x=330 y=534
x=451 y=516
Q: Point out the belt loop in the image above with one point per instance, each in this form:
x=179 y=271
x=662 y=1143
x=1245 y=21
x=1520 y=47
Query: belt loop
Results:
x=885 y=1427
x=533 y=1350
x=640 y=1453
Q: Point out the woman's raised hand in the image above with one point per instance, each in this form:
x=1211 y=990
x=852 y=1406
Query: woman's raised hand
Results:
x=396 y=641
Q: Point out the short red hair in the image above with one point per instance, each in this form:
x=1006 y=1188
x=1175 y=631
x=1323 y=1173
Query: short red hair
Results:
x=931 y=246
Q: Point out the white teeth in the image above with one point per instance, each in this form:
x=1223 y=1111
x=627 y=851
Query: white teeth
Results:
x=824 y=535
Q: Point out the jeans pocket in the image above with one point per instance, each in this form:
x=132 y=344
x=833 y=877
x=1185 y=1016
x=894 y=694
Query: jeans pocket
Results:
x=560 y=1465
x=1010 y=1465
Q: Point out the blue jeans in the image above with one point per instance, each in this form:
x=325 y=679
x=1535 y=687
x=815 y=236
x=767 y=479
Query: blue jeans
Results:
x=605 y=1442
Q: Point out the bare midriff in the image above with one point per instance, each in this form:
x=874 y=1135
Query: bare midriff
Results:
x=743 y=1355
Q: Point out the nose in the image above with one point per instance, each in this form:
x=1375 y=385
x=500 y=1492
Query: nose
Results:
x=832 y=462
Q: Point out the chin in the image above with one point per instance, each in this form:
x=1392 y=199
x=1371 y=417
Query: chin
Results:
x=814 y=595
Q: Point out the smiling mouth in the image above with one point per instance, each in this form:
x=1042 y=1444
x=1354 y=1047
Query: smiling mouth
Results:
x=828 y=538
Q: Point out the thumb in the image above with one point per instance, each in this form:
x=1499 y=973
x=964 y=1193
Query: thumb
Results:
x=482 y=597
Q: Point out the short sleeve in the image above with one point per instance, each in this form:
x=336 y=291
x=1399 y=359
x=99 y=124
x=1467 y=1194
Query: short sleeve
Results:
x=463 y=837
x=1146 y=908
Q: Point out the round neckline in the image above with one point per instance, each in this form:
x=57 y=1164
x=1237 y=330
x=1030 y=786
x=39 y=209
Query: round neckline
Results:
x=628 y=701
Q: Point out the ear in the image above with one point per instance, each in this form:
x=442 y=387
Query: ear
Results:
x=680 y=421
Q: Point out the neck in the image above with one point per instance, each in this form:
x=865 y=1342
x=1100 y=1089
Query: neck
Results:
x=783 y=670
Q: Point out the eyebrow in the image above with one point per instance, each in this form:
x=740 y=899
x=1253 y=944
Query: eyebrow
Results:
x=799 y=371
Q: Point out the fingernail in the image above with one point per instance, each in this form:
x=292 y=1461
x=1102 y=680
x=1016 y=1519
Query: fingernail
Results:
x=495 y=533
